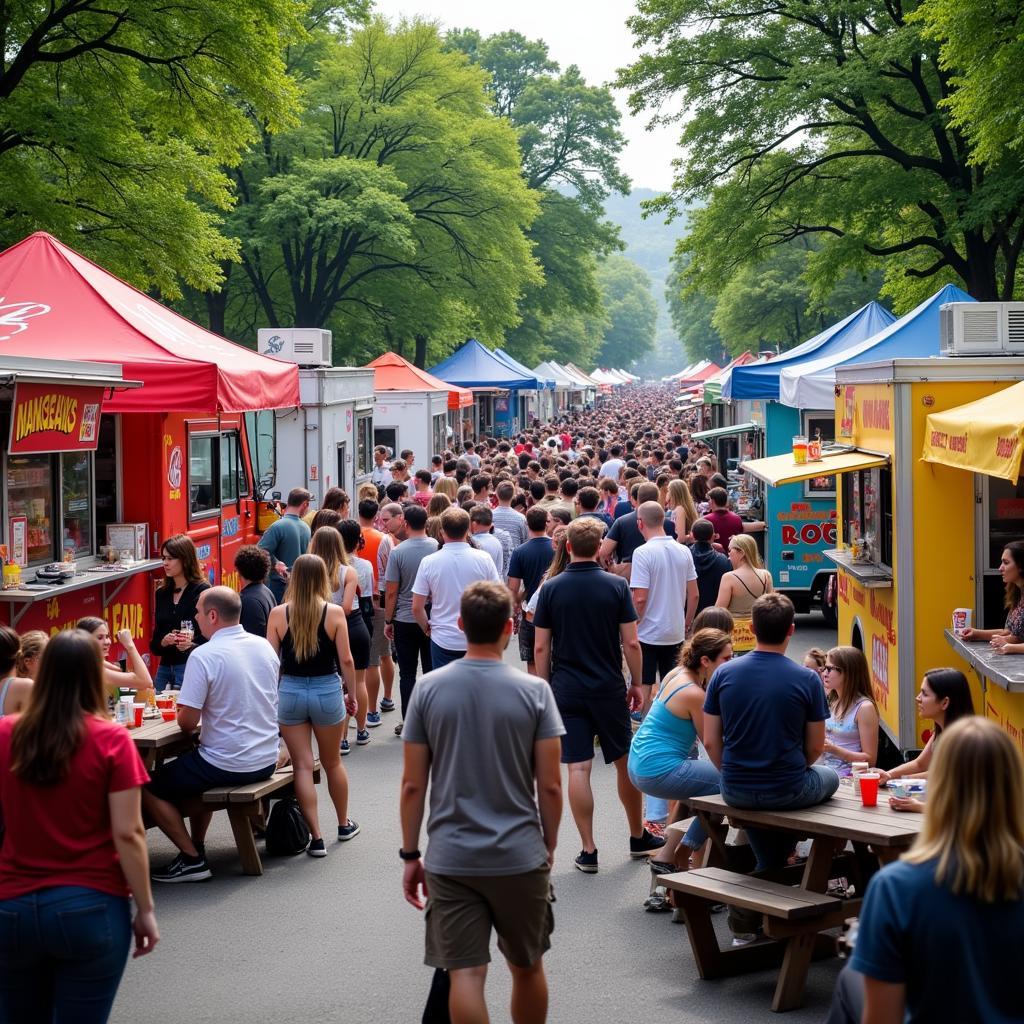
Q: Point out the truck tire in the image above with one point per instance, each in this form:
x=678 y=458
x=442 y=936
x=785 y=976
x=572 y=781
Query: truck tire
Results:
x=829 y=610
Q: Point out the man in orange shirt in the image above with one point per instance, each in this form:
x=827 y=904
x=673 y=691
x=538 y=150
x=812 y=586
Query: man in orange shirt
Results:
x=380 y=648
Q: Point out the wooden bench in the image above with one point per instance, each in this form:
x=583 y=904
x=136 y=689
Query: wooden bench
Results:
x=789 y=913
x=247 y=807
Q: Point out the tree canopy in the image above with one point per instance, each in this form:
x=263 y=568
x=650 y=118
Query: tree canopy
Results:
x=118 y=118
x=631 y=310
x=570 y=142
x=807 y=119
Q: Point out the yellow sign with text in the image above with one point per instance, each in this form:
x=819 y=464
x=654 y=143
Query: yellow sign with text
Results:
x=743 y=639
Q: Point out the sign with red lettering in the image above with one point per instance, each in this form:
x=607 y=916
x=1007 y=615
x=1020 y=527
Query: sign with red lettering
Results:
x=55 y=418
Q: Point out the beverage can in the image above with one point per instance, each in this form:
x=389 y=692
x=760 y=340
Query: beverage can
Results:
x=961 y=620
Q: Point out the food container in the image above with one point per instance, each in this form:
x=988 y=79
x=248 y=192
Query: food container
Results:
x=903 y=788
x=961 y=620
x=814 y=449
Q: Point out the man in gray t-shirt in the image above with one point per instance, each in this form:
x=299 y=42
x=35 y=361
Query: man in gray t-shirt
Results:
x=412 y=645
x=492 y=840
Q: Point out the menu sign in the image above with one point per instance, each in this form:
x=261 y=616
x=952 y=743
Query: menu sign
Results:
x=55 y=418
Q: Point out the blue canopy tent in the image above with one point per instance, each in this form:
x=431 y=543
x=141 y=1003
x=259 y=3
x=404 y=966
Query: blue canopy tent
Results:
x=478 y=368
x=761 y=380
x=474 y=366
x=811 y=384
x=514 y=364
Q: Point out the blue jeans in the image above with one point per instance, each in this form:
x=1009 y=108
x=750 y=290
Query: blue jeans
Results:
x=62 y=954
x=169 y=677
x=440 y=656
x=688 y=778
x=770 y=847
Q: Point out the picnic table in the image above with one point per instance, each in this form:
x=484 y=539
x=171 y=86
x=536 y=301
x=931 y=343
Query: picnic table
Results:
x=794 y=916
x=156 y=740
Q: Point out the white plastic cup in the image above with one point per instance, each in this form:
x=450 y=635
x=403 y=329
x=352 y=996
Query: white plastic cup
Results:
x=961 y=620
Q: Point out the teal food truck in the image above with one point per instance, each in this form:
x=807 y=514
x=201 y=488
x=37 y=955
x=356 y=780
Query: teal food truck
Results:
x=800 y=518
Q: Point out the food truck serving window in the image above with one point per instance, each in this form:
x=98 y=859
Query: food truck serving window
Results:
x=50 y=506
x=867 y=511
x=364 y=444
x=439 y=434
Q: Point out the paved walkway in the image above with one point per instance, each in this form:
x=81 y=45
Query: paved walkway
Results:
x=333 y=939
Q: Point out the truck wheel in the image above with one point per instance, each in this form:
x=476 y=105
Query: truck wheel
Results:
x=829 y=611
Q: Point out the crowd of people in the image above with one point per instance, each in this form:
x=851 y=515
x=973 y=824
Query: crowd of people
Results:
x=604 y=546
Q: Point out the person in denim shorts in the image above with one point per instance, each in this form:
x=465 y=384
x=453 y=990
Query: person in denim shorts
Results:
x=311 y=636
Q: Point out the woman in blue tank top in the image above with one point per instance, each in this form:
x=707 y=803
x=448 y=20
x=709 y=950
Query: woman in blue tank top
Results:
x=659 y=759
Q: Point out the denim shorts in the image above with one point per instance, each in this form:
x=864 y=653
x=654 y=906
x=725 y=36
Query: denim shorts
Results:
x=191 y=774
x=315 y=699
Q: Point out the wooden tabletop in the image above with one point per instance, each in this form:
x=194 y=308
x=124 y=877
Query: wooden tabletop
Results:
x=154 y=735
x=843 y=817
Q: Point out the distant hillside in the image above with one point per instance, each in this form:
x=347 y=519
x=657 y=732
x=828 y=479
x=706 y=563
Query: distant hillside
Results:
x=650 y=243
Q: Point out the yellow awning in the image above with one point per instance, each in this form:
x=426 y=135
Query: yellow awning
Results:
x=781 y=469
x=986 y=436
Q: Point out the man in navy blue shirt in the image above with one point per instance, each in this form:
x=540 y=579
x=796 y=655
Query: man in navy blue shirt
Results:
x=764 y=727
x=525 y=570
x=588 y=500
x=583 y=616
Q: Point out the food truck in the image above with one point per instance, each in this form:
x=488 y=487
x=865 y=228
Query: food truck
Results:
x=168 y=431
x=327 y=440
x=799 y=517
x=906 y=553
x=415 y=410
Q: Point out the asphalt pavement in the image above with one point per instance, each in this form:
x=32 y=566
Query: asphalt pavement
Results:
x=333 y=939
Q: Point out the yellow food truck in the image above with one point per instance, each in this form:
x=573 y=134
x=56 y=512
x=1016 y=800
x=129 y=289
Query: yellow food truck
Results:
x=916 y=539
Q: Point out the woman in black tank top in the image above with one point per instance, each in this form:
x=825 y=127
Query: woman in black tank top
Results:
x=310 y=636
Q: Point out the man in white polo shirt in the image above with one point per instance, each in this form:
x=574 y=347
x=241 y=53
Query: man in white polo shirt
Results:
x=664 y=585
x=231 y=681
x=441 y=579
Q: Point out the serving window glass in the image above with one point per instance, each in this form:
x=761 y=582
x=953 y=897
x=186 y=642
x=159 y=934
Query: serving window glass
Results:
x=867 y=510
x=30 y=481
x=76 y=503
x=364 y=444
x=203 y=474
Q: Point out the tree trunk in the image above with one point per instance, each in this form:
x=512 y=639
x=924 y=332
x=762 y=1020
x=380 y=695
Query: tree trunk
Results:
x=420 y=355
x=217 y=304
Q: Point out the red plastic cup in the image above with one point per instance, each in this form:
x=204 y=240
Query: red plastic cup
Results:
x=139 y=708
x=868 y=789
x=168 y=714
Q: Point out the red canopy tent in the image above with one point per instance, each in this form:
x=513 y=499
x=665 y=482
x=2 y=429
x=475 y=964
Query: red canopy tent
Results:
x=393 y=373
x=54 y=303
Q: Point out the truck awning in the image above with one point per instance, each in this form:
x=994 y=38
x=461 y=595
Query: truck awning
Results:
x=738 y=428
x=781 y=469
x=986 y=436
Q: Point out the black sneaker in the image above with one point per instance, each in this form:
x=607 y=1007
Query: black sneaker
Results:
x=587 y=862
x=398 y=728
x=316 y=848
x=387 y=704
x=347 y=831
x=182 y=870
x=645 y=845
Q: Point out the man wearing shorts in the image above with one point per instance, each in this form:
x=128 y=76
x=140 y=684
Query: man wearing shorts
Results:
x=582 y=617
x=232 y=683
x=494 y=811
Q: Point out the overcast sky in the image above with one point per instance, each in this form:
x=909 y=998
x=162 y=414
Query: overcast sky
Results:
x=591 y=35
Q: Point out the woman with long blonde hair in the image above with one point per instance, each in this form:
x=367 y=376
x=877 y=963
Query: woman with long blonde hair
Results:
x=679 y=502
x=955 y=902
x=448 y=486
x=310 y=635
x=747 y=581
x=438 y=503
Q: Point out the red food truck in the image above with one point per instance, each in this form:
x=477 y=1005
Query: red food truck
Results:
x=125 y=423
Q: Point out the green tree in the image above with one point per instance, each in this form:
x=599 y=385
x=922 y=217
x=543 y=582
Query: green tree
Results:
x=982 y=49
x=570 y=142
x=117 y=119
x=396 y=209
x=632 y=312
x=829 y=121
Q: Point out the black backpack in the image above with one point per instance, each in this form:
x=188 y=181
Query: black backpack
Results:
x=287 y=832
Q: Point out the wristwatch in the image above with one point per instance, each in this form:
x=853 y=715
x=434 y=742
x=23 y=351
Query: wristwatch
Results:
x=409 y=854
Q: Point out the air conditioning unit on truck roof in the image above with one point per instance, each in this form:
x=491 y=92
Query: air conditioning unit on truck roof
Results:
x=307 y=346
x=981 y=328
